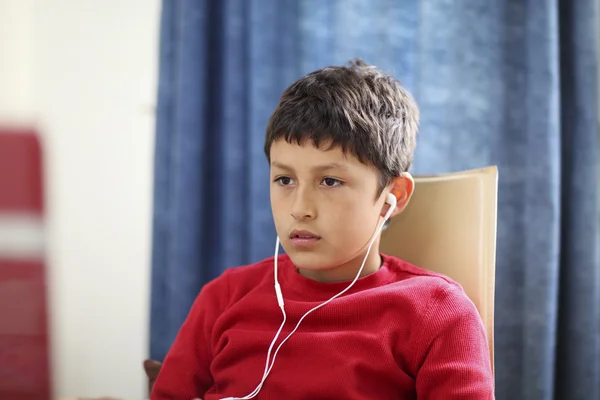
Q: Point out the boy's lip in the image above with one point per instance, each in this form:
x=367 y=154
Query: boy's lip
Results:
x=303 y=234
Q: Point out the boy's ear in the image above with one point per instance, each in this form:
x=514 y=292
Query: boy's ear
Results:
x=402 y=188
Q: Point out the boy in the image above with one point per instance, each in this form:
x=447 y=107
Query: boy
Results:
x=339 y=144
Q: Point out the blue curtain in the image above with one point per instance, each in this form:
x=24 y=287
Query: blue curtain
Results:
x=511 y=83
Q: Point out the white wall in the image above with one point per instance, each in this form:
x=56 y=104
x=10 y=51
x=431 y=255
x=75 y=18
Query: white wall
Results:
x=16 y=59
x=86 y=72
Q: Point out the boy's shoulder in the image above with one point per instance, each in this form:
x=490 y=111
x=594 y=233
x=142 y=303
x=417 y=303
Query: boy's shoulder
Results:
x=250 y=272
x=243 y=275
x=437 y=288
x=233 y=283
x=406 y=271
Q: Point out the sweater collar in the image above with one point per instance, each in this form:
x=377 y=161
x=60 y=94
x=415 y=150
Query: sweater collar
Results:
x=311 y=290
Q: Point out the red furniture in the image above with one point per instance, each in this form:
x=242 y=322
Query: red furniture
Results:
x=24 y=344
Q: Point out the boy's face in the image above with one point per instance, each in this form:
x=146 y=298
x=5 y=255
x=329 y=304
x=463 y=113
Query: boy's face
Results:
x=324 y=207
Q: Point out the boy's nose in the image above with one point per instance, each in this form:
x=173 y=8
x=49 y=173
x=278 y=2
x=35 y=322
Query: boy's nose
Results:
x=303 y=206
x=299 y=215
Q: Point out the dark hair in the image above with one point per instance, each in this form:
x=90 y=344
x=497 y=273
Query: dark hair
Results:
x=357 y=107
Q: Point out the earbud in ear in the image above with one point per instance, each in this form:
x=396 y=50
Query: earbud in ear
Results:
x=392 y=201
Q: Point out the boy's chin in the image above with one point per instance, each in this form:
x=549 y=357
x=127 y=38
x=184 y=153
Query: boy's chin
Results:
x=312 y=261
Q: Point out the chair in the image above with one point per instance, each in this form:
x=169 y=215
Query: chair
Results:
x=449 y=227
x=152 y=368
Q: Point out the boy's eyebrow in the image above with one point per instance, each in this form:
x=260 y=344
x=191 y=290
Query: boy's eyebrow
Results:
x=323 y=167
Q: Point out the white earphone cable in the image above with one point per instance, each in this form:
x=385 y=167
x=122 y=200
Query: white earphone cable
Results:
x=281 y=305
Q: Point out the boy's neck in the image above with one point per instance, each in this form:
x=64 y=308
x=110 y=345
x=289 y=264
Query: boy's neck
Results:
x=347 y=271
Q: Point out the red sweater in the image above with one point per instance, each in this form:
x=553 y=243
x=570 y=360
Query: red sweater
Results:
x=399 y=333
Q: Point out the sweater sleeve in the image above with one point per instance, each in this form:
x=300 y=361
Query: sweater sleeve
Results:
x=454 y=354
x=185 y=373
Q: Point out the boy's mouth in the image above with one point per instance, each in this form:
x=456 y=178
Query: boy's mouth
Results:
x=301 y=238
x=296 y=234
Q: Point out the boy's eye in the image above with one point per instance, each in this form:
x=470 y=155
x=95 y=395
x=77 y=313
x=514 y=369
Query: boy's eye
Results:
x=331 y=182
x=284 y=180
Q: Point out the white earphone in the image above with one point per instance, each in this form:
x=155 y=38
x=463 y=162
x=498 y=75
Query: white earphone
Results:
x=392 y=201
